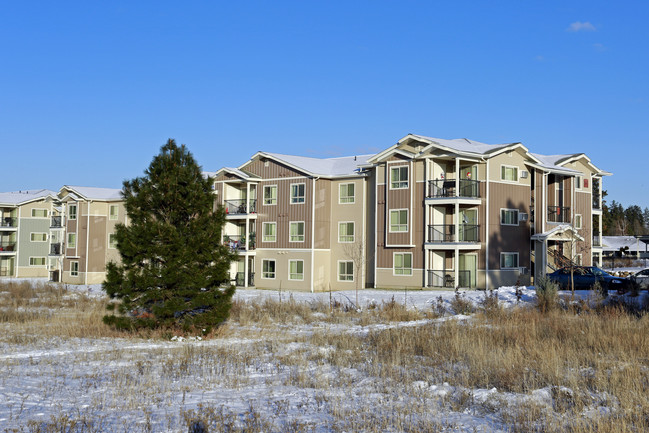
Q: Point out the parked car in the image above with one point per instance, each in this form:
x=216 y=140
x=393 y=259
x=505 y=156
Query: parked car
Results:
x=641 y=278
x=586 y=276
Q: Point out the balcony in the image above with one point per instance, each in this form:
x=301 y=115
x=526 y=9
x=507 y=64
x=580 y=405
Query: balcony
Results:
x=55 y=249
x=446 y=279
x=445 y=233
x=8 y=247
x=239 y=279
x=596 y=203
x=597 y=240
x=237 y=243
x=447 y=188
x=10 y=222
x=240 y=207
x=56 y=222
x=558 y=214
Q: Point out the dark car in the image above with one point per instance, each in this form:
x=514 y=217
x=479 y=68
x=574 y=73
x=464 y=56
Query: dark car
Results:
x=586 y=276
x=641 y=278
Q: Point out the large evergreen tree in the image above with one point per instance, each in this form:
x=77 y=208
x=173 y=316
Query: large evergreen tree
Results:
x=172 y=261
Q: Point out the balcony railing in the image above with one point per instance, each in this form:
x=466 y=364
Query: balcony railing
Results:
x=440 y=278
x=55 y=249
x=447 y=188
x=7 y=246
x=240 y=207
x=558 y=214
x=238 y=242
x=596 y=204
x=597 y=241
x=466 y=282
x=9 y=222
x=56 y=222
x=239 y=279
x=446 y=233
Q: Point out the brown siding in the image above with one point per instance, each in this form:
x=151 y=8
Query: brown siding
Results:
x=504 y=238
x=584 y=207
x=274 y=170
x=398 y=199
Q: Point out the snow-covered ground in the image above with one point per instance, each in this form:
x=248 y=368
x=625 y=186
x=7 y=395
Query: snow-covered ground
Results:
x=271 y=373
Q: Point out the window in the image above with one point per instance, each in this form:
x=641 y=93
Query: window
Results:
x=509 y=217
x=345 y=271
x=296 y=231
x=346 y=193
x=509 y=173
x=72 y=240
x=346 y=232
x=39 y=213
x=508 y=260
x=270 y=195
x=578 y=221
x=269 y=232
x=399 y=177
x=296 y=270
x=578 y=259
x=399 y=220
x=402 y=263
x=297 y=193
x=578 y=180
x=37 y=261
x=113 y=212
x=38 y=237
x=74 y=269
x=268 y=269
x=72 y=212
x=112 y=241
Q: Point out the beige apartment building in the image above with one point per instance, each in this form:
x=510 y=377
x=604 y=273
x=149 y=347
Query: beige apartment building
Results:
x=89 y=245
x=424 y=213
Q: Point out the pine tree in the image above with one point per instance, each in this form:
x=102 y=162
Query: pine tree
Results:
x=172 y=261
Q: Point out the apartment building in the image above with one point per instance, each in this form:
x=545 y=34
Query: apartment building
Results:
x=90 y=218
x=30 y=233
x=426 y=212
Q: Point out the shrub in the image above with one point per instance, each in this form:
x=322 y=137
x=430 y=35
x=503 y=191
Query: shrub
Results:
x=461 y=305
x=546 y=294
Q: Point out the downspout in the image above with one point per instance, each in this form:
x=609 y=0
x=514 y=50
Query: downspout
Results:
x=487 y=281
x=376 y=221
x=17 y=259
x=313 y=234
x=364 y=224
x=87 y=242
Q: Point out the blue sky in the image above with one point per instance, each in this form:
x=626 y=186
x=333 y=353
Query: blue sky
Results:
x=89 y=91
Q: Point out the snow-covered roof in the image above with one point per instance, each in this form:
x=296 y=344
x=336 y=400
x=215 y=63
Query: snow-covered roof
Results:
x=93 y=193
x=15 y=198
x=326 y=167
x=557 y=233
x=551 y=162
x=462 y=144
x=614 y=243
x=232 y=170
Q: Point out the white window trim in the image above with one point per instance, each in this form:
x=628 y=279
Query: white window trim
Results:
x=47 y=212
x=579 y=218
x=263 y=231
x=399 y=166
x=262 y=269
x=515 y=219
x=507 y=180
x=110 y=215
x=338 y=271
x=303 y=232
x=291 y=193
x=76 y=211
x=108 y=242
x=407 y=220
x=263 y=195
x=394 y=274
x=37 y=257
x=77 y=271
x=31 y=236
x=517 y=260
x=289 y=270
x=353 y=236
x=353 y=197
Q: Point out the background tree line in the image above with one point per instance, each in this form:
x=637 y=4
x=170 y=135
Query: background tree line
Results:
x=619 y=221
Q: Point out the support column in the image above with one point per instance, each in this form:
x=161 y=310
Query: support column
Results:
x=456 y=266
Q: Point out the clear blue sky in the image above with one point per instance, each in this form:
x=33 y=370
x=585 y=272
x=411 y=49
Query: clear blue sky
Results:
x=89 y=92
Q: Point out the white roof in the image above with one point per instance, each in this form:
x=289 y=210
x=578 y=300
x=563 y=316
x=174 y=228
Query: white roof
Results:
x=19 y=197
x=463 y=144
x=341 y=166
x=552 y=162
x=92 y=193
x=614 y=243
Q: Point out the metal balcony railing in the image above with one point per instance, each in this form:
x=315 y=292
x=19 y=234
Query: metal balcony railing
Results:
x=597 y=241
x=446 y=233
x=447 y=188
x=238 y=242
x=239 y=279
x=558 y=214
x=466 y=282
x=56 y=222
x=7 y=246
x=240 y=207
x=9 y=222
x=55 y=249
x=440 y=278
x=596 y=204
